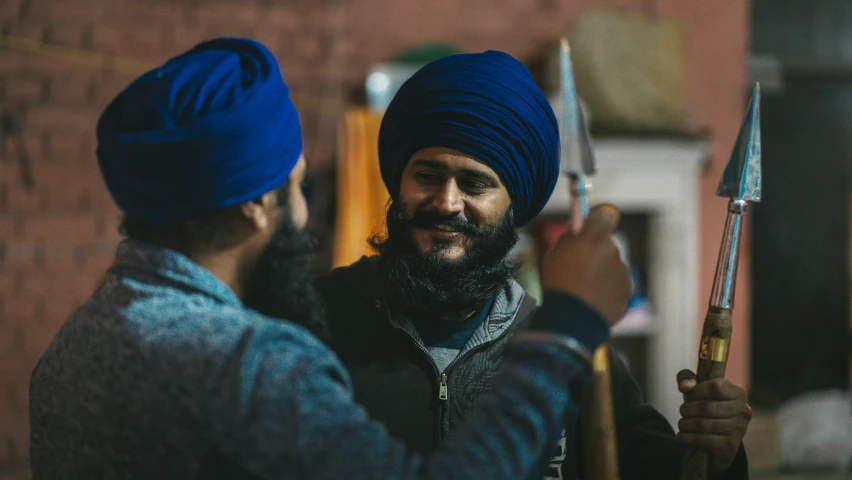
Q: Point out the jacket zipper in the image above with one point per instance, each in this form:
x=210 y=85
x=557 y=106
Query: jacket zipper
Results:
x=437 y=430
x=443 y=384
x=444 y=392
x=443 y=395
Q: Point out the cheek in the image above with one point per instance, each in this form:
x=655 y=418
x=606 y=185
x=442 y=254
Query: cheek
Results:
x=408 y=203
x=489 y=211
x=298 y=208
x=499 y=207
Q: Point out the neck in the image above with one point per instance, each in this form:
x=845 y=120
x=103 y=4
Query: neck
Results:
x=225 y=266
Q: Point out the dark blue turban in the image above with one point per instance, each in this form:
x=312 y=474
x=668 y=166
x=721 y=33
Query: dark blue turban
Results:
x=485 y=105
x=211 y=128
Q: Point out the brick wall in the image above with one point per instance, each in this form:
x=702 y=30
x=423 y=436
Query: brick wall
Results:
x=57 y=237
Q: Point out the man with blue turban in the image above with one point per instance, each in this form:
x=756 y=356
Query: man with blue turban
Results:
x=469 y=150
x=195 y=357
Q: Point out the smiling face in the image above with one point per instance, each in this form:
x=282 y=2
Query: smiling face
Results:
x=449 y=231
x=451 y=199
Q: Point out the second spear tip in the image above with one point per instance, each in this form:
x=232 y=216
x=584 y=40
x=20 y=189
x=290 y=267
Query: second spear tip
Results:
x=741 y=179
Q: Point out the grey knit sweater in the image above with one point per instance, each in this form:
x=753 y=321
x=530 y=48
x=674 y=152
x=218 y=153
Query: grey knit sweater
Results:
x=164 y=374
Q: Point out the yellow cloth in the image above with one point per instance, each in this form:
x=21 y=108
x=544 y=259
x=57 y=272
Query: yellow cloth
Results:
x=361 y=195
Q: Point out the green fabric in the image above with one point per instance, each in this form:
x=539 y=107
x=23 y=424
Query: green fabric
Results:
x=424 y=53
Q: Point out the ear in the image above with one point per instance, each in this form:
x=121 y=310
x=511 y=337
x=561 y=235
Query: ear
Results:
x=261 y=213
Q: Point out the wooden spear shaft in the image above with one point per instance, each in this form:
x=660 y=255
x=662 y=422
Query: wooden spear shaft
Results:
x=599 y=418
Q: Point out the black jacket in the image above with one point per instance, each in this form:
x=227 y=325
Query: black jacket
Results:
x=396 y=380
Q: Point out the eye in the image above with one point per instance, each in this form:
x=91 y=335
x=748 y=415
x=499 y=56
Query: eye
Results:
x=428 y=177
x=475 y=187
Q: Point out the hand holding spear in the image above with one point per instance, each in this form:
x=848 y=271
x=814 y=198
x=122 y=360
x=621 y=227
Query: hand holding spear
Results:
x=741 y=184
x=578 y=161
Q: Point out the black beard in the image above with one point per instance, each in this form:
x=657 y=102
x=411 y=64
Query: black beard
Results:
x=432 y=287
x=280 y=284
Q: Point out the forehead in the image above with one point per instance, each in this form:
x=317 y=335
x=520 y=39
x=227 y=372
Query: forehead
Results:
x=449 y=160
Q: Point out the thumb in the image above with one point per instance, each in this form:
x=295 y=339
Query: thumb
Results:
x=601 y=222
x=686 y=381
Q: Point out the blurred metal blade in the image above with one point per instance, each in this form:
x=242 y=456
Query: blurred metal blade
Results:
x=577 y=156
x=587 y=153
x=741 y=179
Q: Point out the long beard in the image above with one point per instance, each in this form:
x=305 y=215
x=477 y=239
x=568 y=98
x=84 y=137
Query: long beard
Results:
x=430 y=286
x=279 y=283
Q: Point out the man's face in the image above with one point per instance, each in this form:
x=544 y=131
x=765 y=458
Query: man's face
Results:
x=449 y=196
x=448 y=236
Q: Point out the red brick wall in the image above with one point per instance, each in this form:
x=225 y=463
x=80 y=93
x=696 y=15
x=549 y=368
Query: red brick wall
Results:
x=57 y=239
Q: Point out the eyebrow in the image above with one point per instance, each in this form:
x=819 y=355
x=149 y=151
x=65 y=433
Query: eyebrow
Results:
x=438 y=165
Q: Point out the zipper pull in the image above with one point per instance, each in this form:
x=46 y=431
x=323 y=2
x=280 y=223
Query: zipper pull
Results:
x=442 y=390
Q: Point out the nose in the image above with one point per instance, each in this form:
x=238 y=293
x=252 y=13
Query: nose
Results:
x=448 y=199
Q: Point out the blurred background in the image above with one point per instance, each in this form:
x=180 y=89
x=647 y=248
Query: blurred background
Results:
x=664 y=83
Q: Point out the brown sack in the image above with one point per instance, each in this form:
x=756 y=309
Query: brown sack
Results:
x=629 y=70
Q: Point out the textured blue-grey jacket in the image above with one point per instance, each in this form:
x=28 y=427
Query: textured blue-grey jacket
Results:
x=164 y=374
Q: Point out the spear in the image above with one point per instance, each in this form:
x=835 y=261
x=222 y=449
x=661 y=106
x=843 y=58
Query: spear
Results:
x=578 y=162
x=740 y=184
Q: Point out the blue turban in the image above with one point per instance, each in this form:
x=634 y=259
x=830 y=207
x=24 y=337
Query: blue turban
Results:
x=485 y=105
x=211 y=128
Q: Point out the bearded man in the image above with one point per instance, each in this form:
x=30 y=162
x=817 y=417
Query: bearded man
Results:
x=469 y=151
x=195 y=358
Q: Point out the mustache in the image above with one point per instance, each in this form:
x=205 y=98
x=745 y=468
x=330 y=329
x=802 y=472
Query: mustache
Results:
x=454 y=222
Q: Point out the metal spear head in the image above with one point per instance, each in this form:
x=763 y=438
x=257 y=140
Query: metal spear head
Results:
x=577 y=156
x=741 y=180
